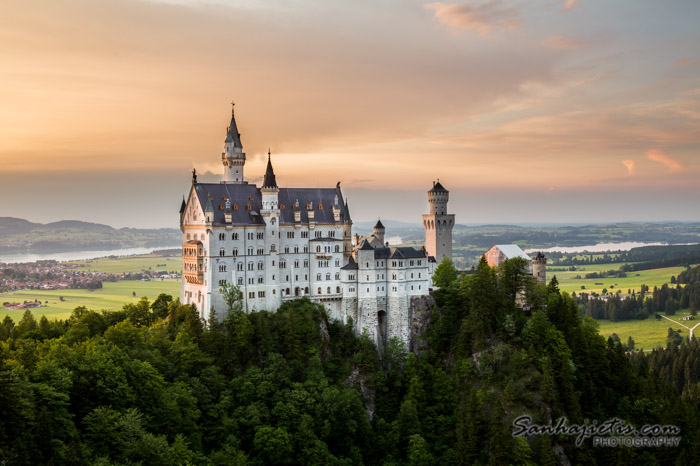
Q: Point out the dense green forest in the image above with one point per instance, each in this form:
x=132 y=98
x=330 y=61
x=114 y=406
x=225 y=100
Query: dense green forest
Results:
x=667 y=299
x=151 y=384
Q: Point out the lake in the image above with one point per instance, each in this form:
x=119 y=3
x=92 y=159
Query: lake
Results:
x=75 y=255
x=600 y=247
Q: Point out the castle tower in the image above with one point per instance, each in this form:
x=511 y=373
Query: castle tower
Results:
x=347 y=232
x=379 y=231
x=270 y=212
x=438 y=224
x=233 y=158
x=539 y=269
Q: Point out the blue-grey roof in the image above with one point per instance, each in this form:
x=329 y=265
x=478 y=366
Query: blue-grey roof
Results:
x=404 y=252
x=512 y=251
x=232 y=134
x=351 y=265
x=241 y=194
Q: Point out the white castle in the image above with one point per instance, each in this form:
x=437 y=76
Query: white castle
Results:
x=279 y=244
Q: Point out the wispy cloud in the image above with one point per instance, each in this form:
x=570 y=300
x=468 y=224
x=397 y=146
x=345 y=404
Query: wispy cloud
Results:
x=658 y=155
x=482 y=18
x=569 y=4
x=560 y=42
x=631 y=167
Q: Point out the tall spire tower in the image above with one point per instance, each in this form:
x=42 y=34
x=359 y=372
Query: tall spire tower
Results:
x=438 y=224
x=233 y=158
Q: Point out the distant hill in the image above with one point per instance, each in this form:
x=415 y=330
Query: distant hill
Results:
x=18 y=235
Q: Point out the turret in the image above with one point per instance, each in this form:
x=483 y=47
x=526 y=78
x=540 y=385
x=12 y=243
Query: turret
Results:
x=379 y=231
x=438 y=223
x=233 y=157
x=539 y=268
x=269 y=187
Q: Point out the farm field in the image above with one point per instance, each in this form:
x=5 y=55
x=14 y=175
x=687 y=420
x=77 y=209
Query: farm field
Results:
x=633 y=280
x=112 y=296
x=146 y=262
x=648 y=333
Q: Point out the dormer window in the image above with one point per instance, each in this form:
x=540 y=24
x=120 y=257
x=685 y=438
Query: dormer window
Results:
x=320 y=206
x=235 y=206
x=248 y=207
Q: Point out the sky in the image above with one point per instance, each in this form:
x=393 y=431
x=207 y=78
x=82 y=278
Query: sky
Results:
x=527 y=111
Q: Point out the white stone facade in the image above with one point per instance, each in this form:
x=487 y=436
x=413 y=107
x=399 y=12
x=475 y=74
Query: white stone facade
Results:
x=279 y=244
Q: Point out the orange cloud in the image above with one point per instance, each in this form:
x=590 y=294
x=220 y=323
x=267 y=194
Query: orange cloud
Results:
x=631 y=167
x=657 y=155
x=560 y=42
x=569 y=4
x=481 y=18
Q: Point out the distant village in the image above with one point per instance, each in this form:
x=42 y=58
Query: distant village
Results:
x=54 y=275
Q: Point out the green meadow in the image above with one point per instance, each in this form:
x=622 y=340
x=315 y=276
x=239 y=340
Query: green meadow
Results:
x=648 y=333
x=112 y=296
x=633 y=280
x=146 y=262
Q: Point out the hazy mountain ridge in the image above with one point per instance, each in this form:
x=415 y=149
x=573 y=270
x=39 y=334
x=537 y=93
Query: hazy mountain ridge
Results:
x=19 y=235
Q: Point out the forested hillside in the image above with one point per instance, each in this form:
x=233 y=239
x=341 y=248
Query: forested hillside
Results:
x=151 y=384
x=18 y=236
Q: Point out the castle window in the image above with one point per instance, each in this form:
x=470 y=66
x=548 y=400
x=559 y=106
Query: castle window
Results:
x=250 y=266
x=250 y=198
x=318 y=248
x=281 y=206
x=234 y=236
x=320 y=206
x=411 y=263
x=261 y=235
x=261 y=294
x=296 y=264
x=222 y=252
x=306 y=262
x=211 y=198
x=235 y=206
x=328 y=290
x=260 y=280
x=286 y=249
x=260 y=266
x=283 y=264
x=290 y=234
x=304 y=234
x=418 y=275
x=328 y=276
x=222 y=268
x=318 y=277
x=419 y=262
x=235 y=252
x=337 y=289
x=221 y=207
x=419 y=287
x=248 y=207
x=240 y=281
x=337 y=248
x=337 y=262
x=251 y=294
x=250 y=251
x=306 y=249
x=260 y=252
x=222 y=236
x=337 y=276
x=239 y=266
x=411 y=275
x=319 y=290
x=222 y=282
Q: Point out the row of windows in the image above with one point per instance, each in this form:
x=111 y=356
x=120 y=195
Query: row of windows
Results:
x=328 y=276
x=328 y=249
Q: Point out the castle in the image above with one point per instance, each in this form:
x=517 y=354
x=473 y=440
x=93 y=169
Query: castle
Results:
x=278 y=244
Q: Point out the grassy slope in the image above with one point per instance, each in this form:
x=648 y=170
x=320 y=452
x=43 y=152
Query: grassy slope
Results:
x=147 y=262
x=651 y=278
x=112 y=296
x=648 y=333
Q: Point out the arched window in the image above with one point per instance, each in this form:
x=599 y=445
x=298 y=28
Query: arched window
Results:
x=318 y=277
x=328 y=276
x=318 y=248
x=337 y=276
x=240 y=281
x=319 y=290
x=337 y=289
x=328 y=290
x=222 y=252
x=306 y=290
x=337 y=248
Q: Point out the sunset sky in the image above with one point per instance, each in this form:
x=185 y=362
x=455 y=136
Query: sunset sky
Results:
x=527 y=111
